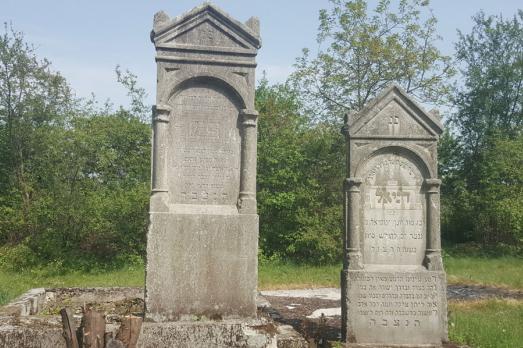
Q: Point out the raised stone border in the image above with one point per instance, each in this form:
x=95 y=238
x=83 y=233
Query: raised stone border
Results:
x=23 y=324
x=27 y=304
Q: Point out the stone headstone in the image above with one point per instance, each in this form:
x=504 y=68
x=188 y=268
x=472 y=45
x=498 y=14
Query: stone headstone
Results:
x=393 y=281
x=203 y=236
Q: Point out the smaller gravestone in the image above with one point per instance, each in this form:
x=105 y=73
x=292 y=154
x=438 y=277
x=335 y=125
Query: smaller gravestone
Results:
x=393 y=282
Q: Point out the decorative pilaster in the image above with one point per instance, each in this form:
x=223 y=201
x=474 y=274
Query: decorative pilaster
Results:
x=433 y=260
x=159 y=190
x=352 y=223
x=247 y=199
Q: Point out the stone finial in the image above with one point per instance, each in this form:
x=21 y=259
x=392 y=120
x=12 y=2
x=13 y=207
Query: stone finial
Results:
x=435 y=113
x=346 y=122
x=160 y=19
x=254 y=24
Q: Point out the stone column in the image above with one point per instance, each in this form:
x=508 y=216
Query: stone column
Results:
x=433 y=260
x=352 y=223
x=159 y=174
x=247 y=200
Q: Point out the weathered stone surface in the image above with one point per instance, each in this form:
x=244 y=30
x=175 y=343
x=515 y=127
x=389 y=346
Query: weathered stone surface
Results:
x=27 y=304
x=393 y=212
x=388 y=307
x=213 y=255
x=393 y=282
x=220 y=334
x=203 y=236
x=31 y=332
x=43 y=329
x=212 y=334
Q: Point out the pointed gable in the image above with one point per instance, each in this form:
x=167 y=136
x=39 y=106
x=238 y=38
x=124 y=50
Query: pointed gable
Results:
x=204 y=26
x=394 y=114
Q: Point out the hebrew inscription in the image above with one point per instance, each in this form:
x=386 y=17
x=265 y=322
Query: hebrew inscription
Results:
x=406 y=302
x=205 y=138
x=393 y=211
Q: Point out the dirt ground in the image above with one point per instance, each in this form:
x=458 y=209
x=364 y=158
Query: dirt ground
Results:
x=290 y=307
x=323 y=330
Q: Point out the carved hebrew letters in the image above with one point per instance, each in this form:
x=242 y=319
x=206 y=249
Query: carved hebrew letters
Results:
x=393 y=303
x=205 y=150
x=393 y=211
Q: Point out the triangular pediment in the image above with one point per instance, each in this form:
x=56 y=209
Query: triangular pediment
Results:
x=393 y=113
x=204 y=26
x=206 y=33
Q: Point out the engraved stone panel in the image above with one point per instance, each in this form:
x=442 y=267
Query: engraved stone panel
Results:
x=399 y=307
x=204 y=143
x=393 y=212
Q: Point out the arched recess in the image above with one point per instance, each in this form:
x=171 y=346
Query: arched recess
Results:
x=406 y=152
x=393 y=207
x=219 y=80
x=204 y=142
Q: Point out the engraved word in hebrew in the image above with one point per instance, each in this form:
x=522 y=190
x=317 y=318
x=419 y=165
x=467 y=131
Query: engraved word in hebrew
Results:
x=388 y=197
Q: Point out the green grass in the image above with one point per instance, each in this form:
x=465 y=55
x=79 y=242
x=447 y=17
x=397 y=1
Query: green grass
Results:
x=487 y=324
x=480 y=324
x=13 y=284
x=501 y=271
x=272 y=276
x=279 y=275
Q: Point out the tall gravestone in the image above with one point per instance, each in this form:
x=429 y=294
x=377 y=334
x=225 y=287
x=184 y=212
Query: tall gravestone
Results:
x=393 y=281
x=203 y=235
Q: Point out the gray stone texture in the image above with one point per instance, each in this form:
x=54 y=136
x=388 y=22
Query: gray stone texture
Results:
x=256 y=333
x=203 y=235
x=393 y=282
x=41 y=327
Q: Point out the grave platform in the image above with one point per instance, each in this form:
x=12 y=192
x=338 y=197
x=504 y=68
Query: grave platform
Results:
x=33 y=320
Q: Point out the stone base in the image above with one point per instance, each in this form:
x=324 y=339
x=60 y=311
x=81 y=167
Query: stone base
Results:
x=387 y=308
x=218 y=334
x=31 y=332
x=356 y=345
x=31 y=321
x=201 y=266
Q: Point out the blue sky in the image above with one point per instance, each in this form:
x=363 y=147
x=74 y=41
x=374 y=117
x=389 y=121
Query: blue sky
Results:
x=86 y=39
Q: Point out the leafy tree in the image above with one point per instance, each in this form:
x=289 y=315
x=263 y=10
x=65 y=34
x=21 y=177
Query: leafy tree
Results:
x=74 y=178
x=500 y=217
x=490 y=102
x=137 y=95
x=34 y=101
x=299 y=214
x=484 y=194
x=96 y=208
x=368 y=50
x=280 y=160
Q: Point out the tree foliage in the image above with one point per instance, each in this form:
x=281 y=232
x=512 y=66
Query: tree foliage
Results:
x=298 y=197
x=367 y=51
x=33 y=101
x=484 y=183
x=73 y=177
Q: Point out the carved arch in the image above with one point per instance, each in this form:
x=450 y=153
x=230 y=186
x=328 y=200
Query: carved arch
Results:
x=222 y=80
x=407 y=152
